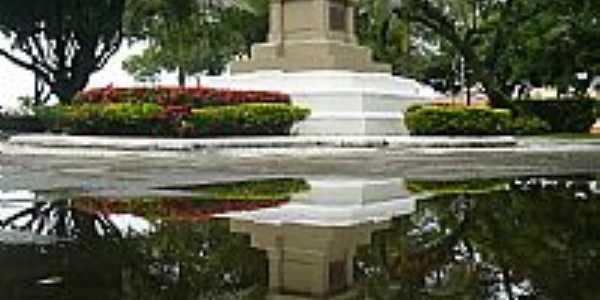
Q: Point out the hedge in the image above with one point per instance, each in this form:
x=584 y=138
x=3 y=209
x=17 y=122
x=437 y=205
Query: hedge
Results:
x=569 y=115
x=10 y=123
x=432 y=120
x=437 y=120
x=247 y=119
x=106 y=119
x=195 y=97
x=151 y=119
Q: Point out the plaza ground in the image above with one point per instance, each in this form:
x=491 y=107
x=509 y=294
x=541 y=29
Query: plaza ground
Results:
x=136 y=172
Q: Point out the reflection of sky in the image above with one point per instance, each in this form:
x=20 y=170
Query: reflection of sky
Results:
x=127 y=223
x=14 y=202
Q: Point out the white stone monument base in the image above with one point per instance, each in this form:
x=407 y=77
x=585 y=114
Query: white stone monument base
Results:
x=342 y=102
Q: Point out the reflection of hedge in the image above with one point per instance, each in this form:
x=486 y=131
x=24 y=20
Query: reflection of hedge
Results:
x=456 y=187
x=151 y=119
x=248 y=190
x=208 y=200
x=188 y=209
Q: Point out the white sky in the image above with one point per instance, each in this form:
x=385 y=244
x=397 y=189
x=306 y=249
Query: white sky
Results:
x=16 y=82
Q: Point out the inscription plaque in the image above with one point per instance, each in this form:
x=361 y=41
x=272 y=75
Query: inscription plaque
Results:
x=337 y=16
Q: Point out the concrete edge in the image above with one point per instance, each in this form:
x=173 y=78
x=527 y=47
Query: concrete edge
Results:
x=161 y=144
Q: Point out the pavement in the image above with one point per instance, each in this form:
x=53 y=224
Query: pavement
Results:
x=124 y=170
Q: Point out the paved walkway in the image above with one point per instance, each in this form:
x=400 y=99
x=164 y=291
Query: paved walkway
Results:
x=391 y=142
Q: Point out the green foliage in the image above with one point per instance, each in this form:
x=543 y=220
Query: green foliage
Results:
x=176 y=259
x=19 y=123
x=248 y=190
x=504 y=43
x=151 y=119
x=456 y=187
x=529 y=125
x=62 y=42
x=430 y=120
x=563 y=42
x=572 y=115
x=191 y=37
x=535 y=232
x=247 y=119
x=104 y=119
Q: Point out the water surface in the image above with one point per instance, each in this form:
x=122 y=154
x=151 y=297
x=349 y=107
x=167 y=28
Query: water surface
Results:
x=516 y=238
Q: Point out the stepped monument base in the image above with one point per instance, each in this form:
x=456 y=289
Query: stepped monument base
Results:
x=312 y=55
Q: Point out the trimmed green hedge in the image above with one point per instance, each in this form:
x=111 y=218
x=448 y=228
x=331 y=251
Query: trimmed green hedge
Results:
x=10 y=123
x=432 y=120
x=436 y=120
x=569 y=115
x=149 y=119
x=105 y=119
x=247 y=119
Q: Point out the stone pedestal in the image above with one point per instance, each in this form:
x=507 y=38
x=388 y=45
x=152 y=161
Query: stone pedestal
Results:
x=311 y=35
x=312 y=54
x=342 y=102
x=311 y=242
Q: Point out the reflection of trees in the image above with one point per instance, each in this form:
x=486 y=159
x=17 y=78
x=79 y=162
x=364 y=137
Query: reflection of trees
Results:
x=94 y=260
x=184 y=260
x=537 y=239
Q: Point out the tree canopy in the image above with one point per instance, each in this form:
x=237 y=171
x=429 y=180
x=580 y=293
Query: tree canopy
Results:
x=192 y=37
x=504 y=43
x=62 y=42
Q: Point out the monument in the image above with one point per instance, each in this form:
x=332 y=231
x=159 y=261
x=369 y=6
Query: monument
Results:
x=311 y=35
x=312 y=54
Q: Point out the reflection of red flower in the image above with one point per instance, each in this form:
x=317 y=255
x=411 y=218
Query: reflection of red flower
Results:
x=173 y=209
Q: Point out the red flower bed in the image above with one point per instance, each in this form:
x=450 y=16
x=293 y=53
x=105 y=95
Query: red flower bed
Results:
x=194 y=97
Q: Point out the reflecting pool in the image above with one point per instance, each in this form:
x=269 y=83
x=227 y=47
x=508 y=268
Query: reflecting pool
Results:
x=307 y=238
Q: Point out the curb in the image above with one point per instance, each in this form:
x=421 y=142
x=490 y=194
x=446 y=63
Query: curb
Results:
x=148 y=144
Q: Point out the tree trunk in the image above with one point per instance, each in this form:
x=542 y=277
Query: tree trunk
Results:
x=496 y=95
x=181 y=78
x=66 y=89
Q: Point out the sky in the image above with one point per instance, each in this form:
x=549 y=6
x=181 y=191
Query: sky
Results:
x=16 y=82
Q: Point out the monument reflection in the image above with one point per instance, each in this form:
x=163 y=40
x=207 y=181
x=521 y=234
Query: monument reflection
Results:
x=311 y=242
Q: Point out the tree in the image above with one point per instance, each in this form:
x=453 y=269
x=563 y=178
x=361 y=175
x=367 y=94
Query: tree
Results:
x=193 y=37
x=484 y=33
x=62 y=42
x=563 y=42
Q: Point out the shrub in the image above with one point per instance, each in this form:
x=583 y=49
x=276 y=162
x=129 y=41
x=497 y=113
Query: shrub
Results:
x=151 y=119
x=194 y=97
x=529 y=125
x=18 y=123
x=570 y=115
x=106 y=119
x=431 y=120
x=247 y=119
